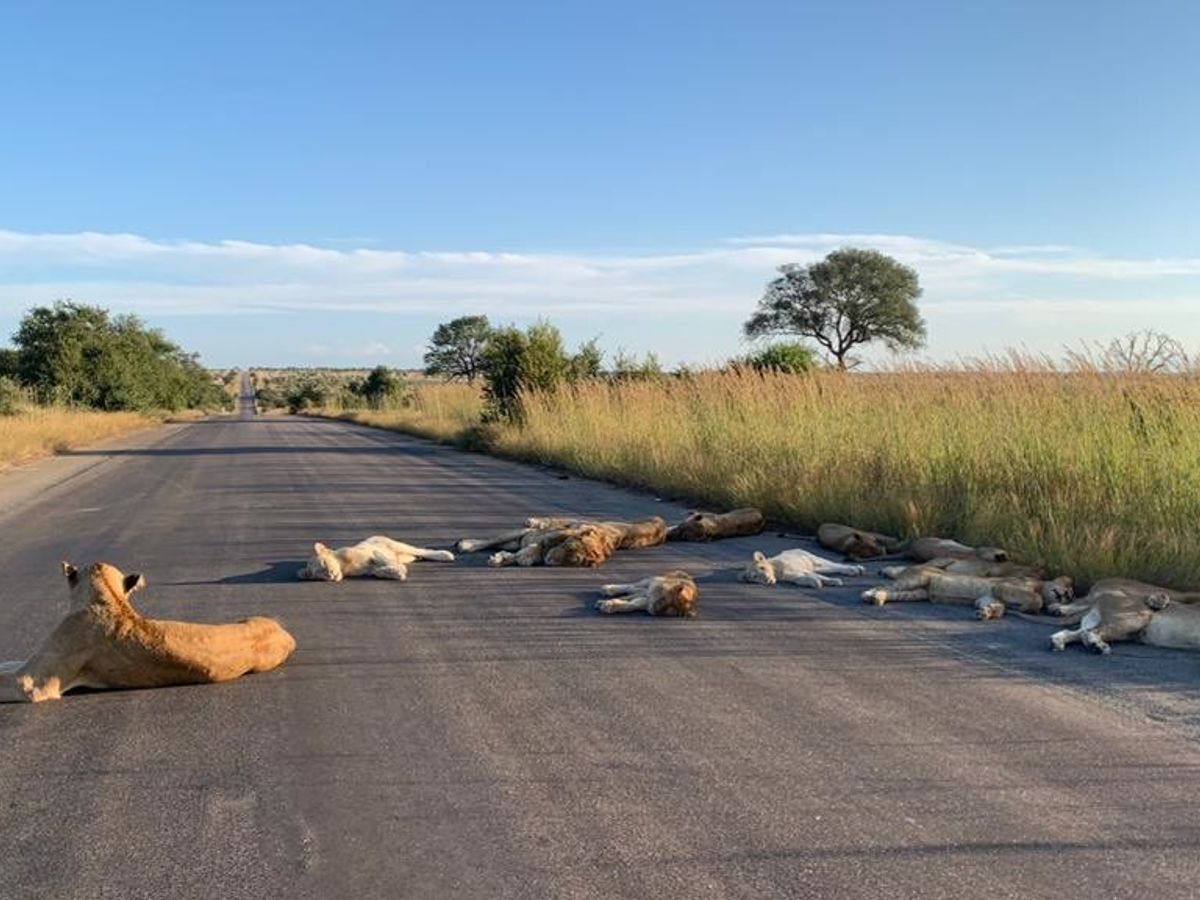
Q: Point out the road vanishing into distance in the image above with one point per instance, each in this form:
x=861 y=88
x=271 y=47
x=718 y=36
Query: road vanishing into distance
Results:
x=480 y=733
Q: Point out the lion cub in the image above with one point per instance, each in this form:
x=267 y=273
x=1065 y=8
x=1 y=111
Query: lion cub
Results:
x=376 y=557
x=670 y=594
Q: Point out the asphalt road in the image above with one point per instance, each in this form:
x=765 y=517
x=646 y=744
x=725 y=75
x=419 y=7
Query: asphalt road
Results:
x=475 y=733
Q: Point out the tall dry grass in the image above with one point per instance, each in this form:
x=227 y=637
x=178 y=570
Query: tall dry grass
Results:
x=1095 y=474
x=438 y=410
x=42 y=431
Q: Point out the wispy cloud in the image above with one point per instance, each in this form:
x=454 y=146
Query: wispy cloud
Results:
x=132 y=272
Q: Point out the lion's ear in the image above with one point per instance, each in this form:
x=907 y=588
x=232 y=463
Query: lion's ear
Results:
x=134 y=581
x=71 y=573
x=758 y=556
x=318 y=547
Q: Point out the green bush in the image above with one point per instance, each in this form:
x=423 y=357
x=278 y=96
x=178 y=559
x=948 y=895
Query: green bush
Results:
x=516 y=362
x=793 y=358
x=77 y=354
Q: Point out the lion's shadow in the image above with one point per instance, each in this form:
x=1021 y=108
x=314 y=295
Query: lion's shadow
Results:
x=283 y=570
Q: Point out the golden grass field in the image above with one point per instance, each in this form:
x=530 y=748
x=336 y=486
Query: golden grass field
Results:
x=43 y=431
x=1092 y=473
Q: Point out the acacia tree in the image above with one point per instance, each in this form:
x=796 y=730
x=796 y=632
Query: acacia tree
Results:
x=850 y=297
x=456 y=347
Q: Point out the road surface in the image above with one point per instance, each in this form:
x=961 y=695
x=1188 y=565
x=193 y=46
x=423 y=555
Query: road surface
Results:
x=475 y=733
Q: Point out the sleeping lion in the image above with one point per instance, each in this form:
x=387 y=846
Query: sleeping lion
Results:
x=709 y=526
x=670 y=594
x=548 y=541
x=376 y=557
x=1018 y=587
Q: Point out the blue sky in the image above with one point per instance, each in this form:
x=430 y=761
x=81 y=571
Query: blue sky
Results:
x=321 y=183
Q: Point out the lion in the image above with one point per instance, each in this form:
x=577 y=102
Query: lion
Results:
x=927 y=549
x=856 y=543
x=105 y=643
x=670 y=594
x=1122 y=609
x=1021 y=588
x=708 y=526
x=797 y=567
x=553 y=541
x=376 y=557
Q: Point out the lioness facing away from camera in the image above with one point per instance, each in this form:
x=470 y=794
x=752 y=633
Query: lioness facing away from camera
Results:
x=854 y=542
x=552 y=541
x=105 y=643
x=797 y=567
x=708 y=526
x=670 y=594
x=376 y=557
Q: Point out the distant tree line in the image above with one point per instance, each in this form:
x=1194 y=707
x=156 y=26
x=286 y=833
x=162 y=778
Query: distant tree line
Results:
x=301 y=389
x=80 y=355
x=851 y=297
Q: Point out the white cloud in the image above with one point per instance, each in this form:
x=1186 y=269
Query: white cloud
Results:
x=1030 y=283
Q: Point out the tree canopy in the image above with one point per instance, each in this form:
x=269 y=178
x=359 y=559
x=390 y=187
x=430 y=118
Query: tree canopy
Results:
x=456 y=347
x=850 y=297
x=74 y=353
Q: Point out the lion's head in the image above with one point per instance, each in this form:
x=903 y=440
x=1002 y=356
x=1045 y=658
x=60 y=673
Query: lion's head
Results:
x=863 y=545
x=678 y=596
x=102 y=581
x=759 y=570
x=587 y=546
x=323 y=565
x=698 y=526
x=1060 y=590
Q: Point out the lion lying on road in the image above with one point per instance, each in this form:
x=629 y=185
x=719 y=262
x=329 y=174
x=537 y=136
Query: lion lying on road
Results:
x=797 y=567
x=106 y=643
x=927 y=549
x=670 y=594
x=567 y=542
x=855 y=542
x=707 y=526
x=1122 y=609
x=1019 y=587
x=376 y=557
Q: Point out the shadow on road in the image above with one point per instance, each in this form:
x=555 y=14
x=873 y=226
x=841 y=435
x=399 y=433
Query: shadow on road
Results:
x=284 y=570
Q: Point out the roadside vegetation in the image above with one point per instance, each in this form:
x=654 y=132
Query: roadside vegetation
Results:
x=1087 y=463
x=1089 y=468
x=77 y=374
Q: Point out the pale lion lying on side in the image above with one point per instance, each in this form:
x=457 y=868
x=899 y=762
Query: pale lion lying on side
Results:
x=708 y=526
x=106 y=643
x=797 y=567
x=376 y=557
x=670 y=594
x=989 y=587
x=1121 y=609
x=567 y=542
